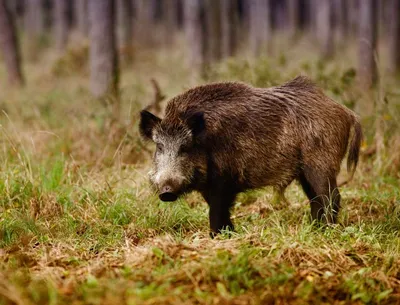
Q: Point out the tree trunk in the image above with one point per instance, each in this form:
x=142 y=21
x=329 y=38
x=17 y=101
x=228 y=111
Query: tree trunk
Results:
x=9 y=46
x=293 y=20
x=213 y=30
x=394 y=38
x=60 y=22
x=103 y=56
x=279 y=14
x=125 y=23
x=354 y=15
x=367 y=69
x=229 y=27
x=260 y=27
x=143 y=22
x=324 y=19
x=34 y=22
x=341 y=19
x=170 y=18
x=384 y=18
x=34 y=26
x=312 y=20
x=12 y=6
x=195 y=35
x=81 y=18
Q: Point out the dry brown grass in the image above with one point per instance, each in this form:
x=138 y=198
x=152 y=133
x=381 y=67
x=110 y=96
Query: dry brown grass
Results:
x=80 y=225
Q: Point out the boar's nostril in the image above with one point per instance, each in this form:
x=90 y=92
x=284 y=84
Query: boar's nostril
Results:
x=168 y=193
x=168 y=197
x=166 y=189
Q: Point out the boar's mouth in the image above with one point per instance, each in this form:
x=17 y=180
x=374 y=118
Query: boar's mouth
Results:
x=168 y=197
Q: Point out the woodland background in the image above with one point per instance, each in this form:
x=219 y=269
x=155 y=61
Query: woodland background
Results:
x=79 y=223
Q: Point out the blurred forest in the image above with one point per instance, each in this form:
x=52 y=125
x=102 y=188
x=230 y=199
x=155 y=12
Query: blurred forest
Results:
x=98 y=39
x=79 y=222
x=212 y=29
x=107 y=35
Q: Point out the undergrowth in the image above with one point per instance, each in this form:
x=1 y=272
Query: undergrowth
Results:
x=80 y=225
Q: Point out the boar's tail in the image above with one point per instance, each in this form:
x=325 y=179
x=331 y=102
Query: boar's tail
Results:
x=354 y=149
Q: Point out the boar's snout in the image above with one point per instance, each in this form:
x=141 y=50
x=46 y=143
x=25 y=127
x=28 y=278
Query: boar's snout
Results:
x=167 y=194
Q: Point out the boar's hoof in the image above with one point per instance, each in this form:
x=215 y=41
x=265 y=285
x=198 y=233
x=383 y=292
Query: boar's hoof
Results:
x=168 y=196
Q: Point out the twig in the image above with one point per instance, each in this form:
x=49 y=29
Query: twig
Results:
x=158 y=98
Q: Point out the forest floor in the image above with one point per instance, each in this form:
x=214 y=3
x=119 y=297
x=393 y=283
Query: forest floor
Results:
x=80 y=225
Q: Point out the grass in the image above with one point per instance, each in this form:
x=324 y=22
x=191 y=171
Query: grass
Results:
x=80 y=225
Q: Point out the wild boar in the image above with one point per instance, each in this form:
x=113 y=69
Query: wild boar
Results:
x=224 y=138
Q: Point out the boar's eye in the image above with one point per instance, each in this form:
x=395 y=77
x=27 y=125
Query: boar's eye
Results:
x=160 y=148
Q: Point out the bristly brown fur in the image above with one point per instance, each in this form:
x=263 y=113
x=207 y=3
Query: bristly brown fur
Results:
x=296 y=119
x=270 y=136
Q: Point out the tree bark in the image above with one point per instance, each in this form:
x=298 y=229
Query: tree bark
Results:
x=341 y=19
x=34 y=17
x=170 y=19
x=354 y=12
x=194 y=26
x=384 y=17
x=213 y=30
x=394 y=37
x=81 y=16
x=60 y=21
x=293 y=16
x=260 y=27
x=279 y=18
x=324 y=19
x=143 y=22
x=367 y=69
x=125 y=24
x=229 y=27
x=103 y=56
x=34 y=26
x=9 y=46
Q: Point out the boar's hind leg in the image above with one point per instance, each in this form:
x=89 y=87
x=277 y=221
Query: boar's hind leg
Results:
x=321 y=189
x=220 y=199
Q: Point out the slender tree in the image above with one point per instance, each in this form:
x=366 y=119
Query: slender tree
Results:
x=260 y=26
x=367 y=66
x=353 y=13
x=125 y=23
x=213 y=29
x=229 y=27
x=9 y=46
x=12 y=6
x=293 y=16
x=385 y=18
x=324 y=23
x=279 y=16
x=80 y=16
x=34 y=25
x=60 y=21
x=103 y=56
x=170 y=20
x=34 y=17
x=143 y=22
x=394 y=37
x=195 y=35
x=341 y=19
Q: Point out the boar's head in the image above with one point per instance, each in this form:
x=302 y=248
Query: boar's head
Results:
x=180 y=161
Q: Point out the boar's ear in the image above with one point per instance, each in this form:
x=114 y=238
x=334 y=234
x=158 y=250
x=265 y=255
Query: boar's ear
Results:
x=147 y=123
x=197 y=123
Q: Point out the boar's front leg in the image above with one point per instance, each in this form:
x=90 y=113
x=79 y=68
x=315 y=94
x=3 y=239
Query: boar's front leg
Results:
x=220 y=198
